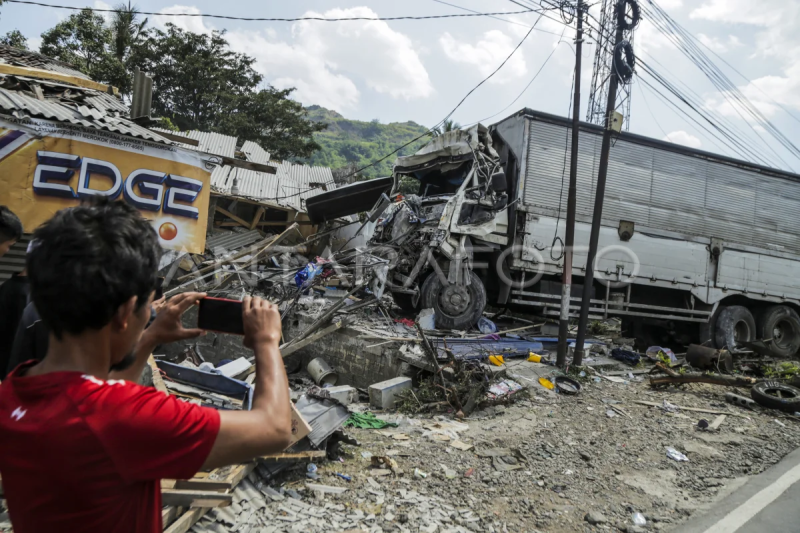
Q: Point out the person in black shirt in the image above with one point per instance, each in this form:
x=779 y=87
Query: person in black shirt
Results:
x=14 y=292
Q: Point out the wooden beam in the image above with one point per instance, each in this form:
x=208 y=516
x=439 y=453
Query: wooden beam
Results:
x=295 y=456
x=289 y=350
x=186 y=521
x=185 y=498
x=264 y=224
x=257 y=217
x=266 y=243
x=56 y=76
x=245 y=200
x=158 y=381
x=241 y=221
x=170 y=514
x=693 y=409
x=178 y=138
x=248 y=165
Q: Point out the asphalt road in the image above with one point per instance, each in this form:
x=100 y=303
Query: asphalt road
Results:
x=768 y=503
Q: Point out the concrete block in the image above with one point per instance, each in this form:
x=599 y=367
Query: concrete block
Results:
x=381 y=395
x=344 y=394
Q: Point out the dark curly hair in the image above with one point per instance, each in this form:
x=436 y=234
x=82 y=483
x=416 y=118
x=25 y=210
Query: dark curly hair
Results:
x=86 y=261
x=10 y=225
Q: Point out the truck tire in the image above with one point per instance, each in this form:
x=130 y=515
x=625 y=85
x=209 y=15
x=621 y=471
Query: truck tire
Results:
x=776 y=395
x=780 y=323
x=734 y=324
x=405 y=302
x=456 y=307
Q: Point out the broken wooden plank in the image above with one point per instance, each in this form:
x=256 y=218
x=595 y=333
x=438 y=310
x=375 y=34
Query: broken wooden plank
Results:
x=295 y=456
x=239 y=220
x=158 y=381
x=239 y=473
x=265 y=245
x=204 y=484
x=717 y=422
x=185 y=498
x=693 y=409
x=186 y=521
x=289 y=350
x=257 y=217
x=170 y=514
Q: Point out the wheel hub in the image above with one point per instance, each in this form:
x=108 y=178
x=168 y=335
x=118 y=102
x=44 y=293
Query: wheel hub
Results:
x=454 y=299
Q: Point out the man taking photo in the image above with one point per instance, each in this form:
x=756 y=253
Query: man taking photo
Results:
x=82 y=446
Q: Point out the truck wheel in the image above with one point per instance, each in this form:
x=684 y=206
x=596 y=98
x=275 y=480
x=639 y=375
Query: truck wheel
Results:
x=734 y=324
x=405 y=302
x=456 y=307
x=780 y=323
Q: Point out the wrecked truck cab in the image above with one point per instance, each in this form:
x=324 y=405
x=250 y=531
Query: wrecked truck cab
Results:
x=432 y=236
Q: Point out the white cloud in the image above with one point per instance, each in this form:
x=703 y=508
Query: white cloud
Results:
x=99 y=4
x=671 y=4
x=325 y=61
x=718 y=45
x=193 y=24
x=487 y=54
x=683 y=138
x=778 y=38
x=285 y=65
x=649 y=37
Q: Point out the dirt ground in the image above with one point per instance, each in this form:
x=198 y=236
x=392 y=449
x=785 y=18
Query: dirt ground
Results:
x=576 y=459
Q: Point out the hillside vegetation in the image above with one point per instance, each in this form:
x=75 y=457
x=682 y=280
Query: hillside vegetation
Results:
x=347 y=142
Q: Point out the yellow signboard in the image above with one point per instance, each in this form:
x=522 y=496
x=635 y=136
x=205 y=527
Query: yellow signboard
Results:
x=47 y=166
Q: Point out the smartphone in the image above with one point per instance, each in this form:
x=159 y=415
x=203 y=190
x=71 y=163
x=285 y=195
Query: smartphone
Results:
x=219 y=314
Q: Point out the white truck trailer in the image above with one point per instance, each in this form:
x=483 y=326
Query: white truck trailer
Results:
x=692 y=243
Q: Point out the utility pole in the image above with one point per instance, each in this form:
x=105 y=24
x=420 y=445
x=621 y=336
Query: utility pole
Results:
x=588 y=280
x=569 y=239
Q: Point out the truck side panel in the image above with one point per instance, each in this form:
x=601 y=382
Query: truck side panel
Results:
x=693 y=195
x=759 y=273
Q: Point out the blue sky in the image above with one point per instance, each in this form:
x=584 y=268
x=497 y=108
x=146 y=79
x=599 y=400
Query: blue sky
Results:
x=418 y=70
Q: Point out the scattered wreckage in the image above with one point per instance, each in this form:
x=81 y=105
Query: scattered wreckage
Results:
x=689 y=247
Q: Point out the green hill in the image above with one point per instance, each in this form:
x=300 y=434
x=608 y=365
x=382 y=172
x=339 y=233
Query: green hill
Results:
x=347 y=142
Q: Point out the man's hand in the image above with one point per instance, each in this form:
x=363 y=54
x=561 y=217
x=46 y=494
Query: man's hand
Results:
x=167 y=326
x=262 y=322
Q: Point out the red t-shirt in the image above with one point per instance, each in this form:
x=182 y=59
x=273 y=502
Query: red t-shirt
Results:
x=78 y=454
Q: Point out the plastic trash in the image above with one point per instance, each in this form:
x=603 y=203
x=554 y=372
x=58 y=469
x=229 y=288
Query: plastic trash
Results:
x=546 y=383
x=486 y=326
x=419 y=473
x=534 y=357
x=343 y=476
x=675 y=455
x=311 y=471
x=497 y=360
x=639 y=519
x=306 y=275
x=427 y=319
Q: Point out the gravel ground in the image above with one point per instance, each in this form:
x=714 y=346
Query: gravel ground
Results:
x=577 y=468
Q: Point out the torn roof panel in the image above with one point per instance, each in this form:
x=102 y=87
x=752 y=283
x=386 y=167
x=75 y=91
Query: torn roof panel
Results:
x=25 y=58
x=289 y=187
x=230 y=241
x=255 y=153
x=84 y=107
x=212 y=143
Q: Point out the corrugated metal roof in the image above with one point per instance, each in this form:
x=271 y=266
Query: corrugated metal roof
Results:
x=21 y=105
x=232 y=240
x=26 y=58
x=14 y=260
x=255 y=153
x=289 y=187
x=212 y=143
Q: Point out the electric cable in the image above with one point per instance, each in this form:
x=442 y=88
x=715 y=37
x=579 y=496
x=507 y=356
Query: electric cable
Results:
x=446 y=118
x=556 y=238
x=270 y=19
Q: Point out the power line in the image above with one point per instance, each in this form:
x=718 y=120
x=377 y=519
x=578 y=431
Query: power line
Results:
x=497 y=18
x=445 y=119
x=272 y=19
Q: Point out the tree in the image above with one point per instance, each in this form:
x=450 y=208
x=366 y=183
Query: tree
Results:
x=127 y=29
x=276 y=122
x=196 y=77
x=84 y=41
x=199 y=83
x=16 y=39
x=448 y=125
